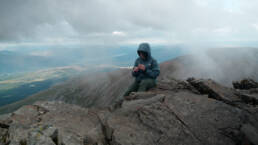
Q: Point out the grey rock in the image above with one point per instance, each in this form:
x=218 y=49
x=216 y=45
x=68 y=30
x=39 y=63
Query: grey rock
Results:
x=214 y=90
x=3 y=136
x=38 y=138
x=189 y=112
x=245 y=84
x=250 y=132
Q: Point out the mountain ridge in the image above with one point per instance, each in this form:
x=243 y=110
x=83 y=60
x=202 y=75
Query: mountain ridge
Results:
x=180 y=110
x=196 y=111
x=101 y=89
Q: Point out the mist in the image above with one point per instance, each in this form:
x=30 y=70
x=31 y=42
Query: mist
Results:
x=122 y=22
x=224 y=65
x=92 y=33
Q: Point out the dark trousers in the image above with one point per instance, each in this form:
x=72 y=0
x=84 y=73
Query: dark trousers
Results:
x=141 y=86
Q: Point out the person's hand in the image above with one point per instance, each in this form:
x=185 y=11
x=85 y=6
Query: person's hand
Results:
x=135 y=69
x=141 y=67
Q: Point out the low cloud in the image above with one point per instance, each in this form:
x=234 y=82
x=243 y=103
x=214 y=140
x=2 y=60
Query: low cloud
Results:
x=98 y=21
x=118 y=33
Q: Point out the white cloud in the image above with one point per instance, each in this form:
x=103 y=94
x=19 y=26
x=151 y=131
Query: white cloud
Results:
x=255 y=26
x=200 y=30
x=223 y=30
x=121 y=21
x=150 y=40
x=59 y=29
x=202 y=3
x=118 y=33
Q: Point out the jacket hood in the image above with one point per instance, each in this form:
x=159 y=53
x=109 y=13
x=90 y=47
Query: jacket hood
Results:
x=145 y=47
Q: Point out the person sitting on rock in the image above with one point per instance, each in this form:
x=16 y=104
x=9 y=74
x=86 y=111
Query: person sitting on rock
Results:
x=145 y=71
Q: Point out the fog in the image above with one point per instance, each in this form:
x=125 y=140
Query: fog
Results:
x=99 y=22
x=95 y=32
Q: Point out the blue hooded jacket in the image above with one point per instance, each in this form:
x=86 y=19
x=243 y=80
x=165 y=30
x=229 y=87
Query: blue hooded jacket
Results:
x=152 y=68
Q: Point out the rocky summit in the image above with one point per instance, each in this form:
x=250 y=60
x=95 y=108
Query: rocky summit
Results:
x=176 y=112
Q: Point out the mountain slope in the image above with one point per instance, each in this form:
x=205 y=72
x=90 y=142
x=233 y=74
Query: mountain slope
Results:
x=101 y=89
x=189 y=112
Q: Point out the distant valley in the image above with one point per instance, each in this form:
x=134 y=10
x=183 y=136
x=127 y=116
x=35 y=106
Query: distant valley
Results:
x=16 y=86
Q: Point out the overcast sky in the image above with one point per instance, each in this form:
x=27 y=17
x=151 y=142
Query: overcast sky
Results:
x=123 y=22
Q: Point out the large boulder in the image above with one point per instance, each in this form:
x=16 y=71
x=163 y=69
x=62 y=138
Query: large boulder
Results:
x=245 y=84
x=46 y=123
x=175 y=118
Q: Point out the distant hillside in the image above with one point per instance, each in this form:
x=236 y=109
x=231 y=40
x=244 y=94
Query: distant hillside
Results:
x=15 y=87
x=101 y=89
